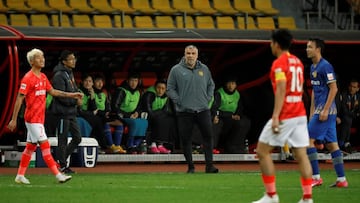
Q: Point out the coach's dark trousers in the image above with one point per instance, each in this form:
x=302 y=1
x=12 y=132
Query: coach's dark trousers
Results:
x=64 y=150
x=186 y=122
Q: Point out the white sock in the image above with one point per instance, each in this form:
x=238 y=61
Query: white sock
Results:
x=341 y=179
x=317 y=176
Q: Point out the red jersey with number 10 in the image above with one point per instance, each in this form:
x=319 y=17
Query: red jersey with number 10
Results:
x=289 y=68
x=34 y=88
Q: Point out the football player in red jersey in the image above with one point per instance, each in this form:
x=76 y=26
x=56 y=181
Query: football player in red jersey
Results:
x=33 y=88
x=288 y=123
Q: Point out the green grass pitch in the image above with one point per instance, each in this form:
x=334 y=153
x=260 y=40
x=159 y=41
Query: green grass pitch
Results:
x=241 y=187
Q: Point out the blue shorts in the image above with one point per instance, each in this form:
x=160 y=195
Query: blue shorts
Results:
x=323 y=130
x=137 y=127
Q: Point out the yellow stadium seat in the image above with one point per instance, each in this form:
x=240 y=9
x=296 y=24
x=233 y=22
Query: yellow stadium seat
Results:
x=143 y=22
x=286 y=22
x=19 y=20
x=102 y=21
x=143 y=6
x=81 y=20
x=246 y=23
x=187 y=22
x=81 y=6
x=122 y=5
x=3 y=19
x=265 y=6
x=123 y=21
x=185 y=7
x=18 y=5
x=204 y=22
x=40 y=20
x=225 y=7
x=3 y=8
x=60 y=5
x=164 y=22
x=245 y=7
x=225 y=22
x=265 y=23
x=163 y=6
x=40 y=6
x=60 y=20
x=103 y=6
x=204 y=6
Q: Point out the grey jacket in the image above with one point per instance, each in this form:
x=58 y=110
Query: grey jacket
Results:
x=190 y=89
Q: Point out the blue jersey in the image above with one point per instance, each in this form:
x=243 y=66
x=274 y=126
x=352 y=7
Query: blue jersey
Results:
x=321 y=75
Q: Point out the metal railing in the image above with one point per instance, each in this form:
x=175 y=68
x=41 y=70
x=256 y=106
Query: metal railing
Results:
x=324 y=11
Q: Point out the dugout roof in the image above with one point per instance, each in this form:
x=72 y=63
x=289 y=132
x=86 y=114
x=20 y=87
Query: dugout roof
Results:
x=49 y=33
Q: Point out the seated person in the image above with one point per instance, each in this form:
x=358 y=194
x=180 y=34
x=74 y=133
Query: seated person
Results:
x=52 y=121
x=229 y=117
x=160 y=116
x=88 y=111
x=348 y=105
x=103 y=111
x=126 y=106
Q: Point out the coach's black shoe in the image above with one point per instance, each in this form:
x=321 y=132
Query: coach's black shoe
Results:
x=67 y=170
x=211 y=169
x=190 y=170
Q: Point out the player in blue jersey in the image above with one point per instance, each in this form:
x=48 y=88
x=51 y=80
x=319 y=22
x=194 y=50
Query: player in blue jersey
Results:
x=322 y=120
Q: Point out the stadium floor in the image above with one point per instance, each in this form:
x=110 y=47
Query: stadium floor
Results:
x=175 y=167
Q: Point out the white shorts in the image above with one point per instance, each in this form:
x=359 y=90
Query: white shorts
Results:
x=35 y=132
x=293 y=131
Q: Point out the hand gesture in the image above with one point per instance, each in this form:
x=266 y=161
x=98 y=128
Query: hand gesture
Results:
x=216 y=120
x=275 y=125
x=91 y=92
x=78 y=95
x=12 y=125
x=134 y=115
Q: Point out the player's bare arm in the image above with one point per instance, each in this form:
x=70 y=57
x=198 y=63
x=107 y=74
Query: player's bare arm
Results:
x=331 y=96
x=13 y=122
x=279 y=101
x=59 y=93
x=312 y=104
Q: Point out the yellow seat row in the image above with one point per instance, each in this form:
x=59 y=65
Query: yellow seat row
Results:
x=168 y=22
x=209 y=7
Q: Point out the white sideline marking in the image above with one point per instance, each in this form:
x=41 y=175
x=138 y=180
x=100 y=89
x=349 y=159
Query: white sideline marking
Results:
x=157 y=187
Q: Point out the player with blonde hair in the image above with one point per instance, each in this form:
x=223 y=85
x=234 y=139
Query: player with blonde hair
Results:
x=33 y=88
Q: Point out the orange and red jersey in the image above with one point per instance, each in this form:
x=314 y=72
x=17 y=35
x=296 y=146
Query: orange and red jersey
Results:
x=34 y=88
x=289 y=68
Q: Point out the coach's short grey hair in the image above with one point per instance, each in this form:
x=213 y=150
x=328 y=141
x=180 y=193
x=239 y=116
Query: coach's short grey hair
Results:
x=31 y=54
x=191 y=46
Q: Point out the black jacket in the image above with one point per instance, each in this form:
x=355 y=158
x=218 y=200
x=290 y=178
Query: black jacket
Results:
x=63 y=79
x=147 y=100
x=223 y=114
x=118 y=99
